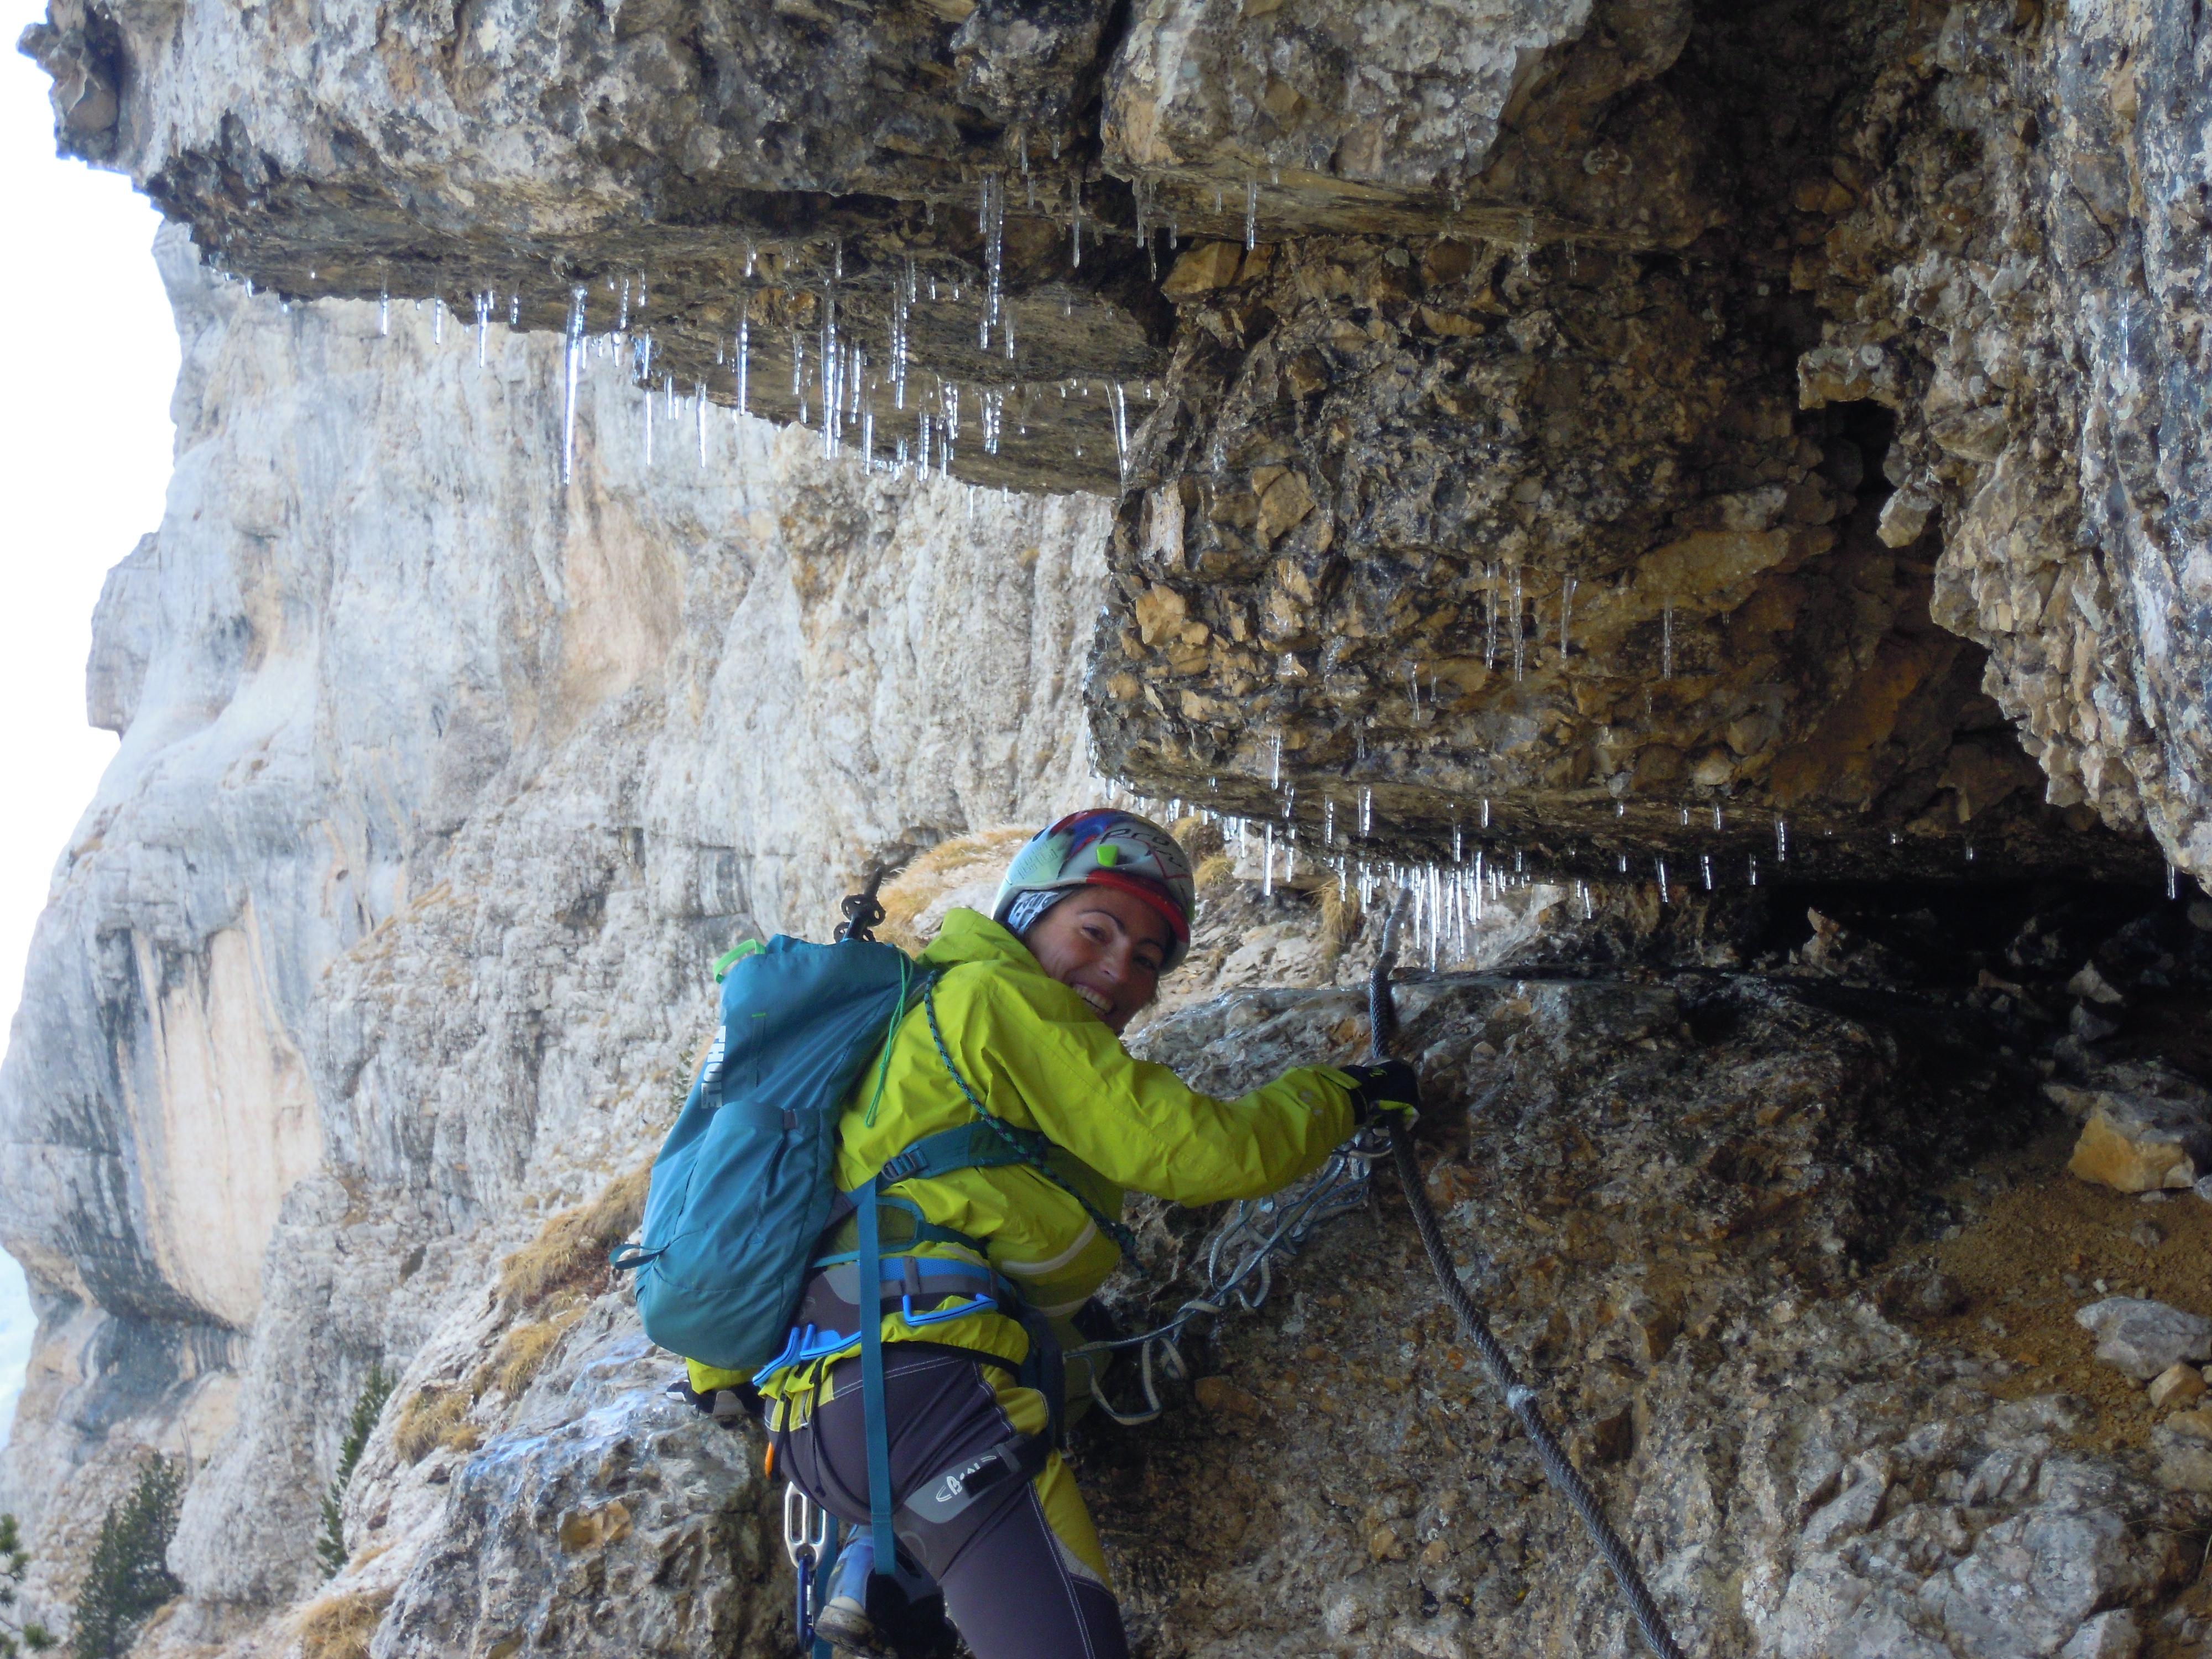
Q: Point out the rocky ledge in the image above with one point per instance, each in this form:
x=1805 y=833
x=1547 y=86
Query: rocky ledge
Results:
x=1789 y=416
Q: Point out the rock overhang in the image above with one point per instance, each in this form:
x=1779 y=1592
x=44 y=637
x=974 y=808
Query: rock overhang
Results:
x=1394 y=327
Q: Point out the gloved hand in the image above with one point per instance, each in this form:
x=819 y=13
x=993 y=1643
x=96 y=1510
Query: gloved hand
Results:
x=1392 y=1086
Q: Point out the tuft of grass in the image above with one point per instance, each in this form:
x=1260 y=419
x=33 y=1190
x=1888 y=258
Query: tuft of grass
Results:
x=522 y=1353
x=340 y=1627
x=1214 y=871
x=1198 y=839
x=571 y=1249
x=962 y=861
x=428 y=1419
x=1340 y=923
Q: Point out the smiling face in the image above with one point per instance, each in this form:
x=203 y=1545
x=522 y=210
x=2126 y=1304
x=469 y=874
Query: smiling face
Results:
x=1106 y=945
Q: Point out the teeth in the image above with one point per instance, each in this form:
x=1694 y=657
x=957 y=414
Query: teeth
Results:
x=1098 y=1005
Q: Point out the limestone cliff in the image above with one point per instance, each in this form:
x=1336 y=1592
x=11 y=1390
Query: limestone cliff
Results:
x=438 y=785
x=1552 y=445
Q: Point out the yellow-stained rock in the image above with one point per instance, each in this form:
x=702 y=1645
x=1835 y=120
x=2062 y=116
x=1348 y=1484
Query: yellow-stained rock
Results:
x=2176 y=1385
x=1206 y=267
x=1225 y=1399
x=2136 y=1150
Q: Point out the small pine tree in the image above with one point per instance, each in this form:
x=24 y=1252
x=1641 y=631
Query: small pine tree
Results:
x=15 y=1637
x=330 y=1548
x=130 y=1576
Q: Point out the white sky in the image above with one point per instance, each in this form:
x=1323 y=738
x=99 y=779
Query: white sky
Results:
x=84 y=458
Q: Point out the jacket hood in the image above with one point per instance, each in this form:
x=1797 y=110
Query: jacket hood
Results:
x=972 y=936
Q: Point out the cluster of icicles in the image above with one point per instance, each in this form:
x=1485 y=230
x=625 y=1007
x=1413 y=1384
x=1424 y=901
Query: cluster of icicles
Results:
x=1450 y=898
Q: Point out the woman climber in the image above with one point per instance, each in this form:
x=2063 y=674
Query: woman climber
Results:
x=1022 y=1024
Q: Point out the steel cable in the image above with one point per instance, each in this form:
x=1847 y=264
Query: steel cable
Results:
x=1382 y=1024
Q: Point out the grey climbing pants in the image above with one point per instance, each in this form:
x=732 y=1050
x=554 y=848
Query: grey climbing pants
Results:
x=1012 y=1565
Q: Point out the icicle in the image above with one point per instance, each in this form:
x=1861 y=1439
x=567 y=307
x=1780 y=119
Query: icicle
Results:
x=699 y=412
x=1251 y=212
x=571 y=368
x=1781 y=841
x=1267 y=868
x=1566 y=609
x=648 y=428
x=744 y=346
x=1076 y=228
x=1328 y=822
x=622 y=321
x=1490 y=626
x=1667 y=641
x=1517 y=623
x=1122 y=429
x=483 y=326
x=2172 y=880
x=1664 y=897
x=1486 y=813
x=1276 y=781
x=1706 y=859
x=1367 y=812
x=991 y=221
x=1754 y=869
x=514 y=310
x=383 y=307
x=1717 y=816
x=831 y=362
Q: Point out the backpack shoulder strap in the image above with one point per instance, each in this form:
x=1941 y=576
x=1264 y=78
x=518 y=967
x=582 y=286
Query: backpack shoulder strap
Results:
x=1027 y=1145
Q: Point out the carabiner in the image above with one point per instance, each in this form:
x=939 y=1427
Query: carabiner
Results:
x=806 y=1528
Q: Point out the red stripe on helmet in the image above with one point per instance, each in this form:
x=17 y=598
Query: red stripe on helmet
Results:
x=1153 y=894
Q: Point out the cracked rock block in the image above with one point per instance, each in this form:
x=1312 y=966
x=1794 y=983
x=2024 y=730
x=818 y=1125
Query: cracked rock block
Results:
x=1460 y=537
x=609 y=1518
x=2143 y=1338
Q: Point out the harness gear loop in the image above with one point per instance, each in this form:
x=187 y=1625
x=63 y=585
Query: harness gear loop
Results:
x=1520 y=1398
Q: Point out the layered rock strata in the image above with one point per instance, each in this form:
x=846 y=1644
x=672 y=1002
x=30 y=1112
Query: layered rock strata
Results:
x=439 y=786
x=1683 y=360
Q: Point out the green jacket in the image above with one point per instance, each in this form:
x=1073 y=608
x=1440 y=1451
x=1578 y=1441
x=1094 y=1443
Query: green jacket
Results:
x=1039 y=1059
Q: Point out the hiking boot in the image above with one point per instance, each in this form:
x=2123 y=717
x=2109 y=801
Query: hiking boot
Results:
x=845 y=1625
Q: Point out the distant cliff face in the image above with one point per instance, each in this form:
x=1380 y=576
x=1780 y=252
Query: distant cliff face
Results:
x=439 y=784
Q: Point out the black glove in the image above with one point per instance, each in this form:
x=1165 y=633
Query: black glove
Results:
x=1393 y=1086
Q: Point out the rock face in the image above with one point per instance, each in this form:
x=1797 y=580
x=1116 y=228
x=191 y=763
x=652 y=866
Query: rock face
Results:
x=1801 y=1476
x=1605 y=462
x=439 y=784
x=1614 y=412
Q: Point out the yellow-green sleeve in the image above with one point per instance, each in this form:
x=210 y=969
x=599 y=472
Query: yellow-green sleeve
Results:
x=1058 y=1068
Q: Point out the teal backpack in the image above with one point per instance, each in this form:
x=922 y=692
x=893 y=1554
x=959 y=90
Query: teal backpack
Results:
x=743 y=1186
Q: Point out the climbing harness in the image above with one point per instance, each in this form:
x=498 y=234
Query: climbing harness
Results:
x=1522 y=1400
